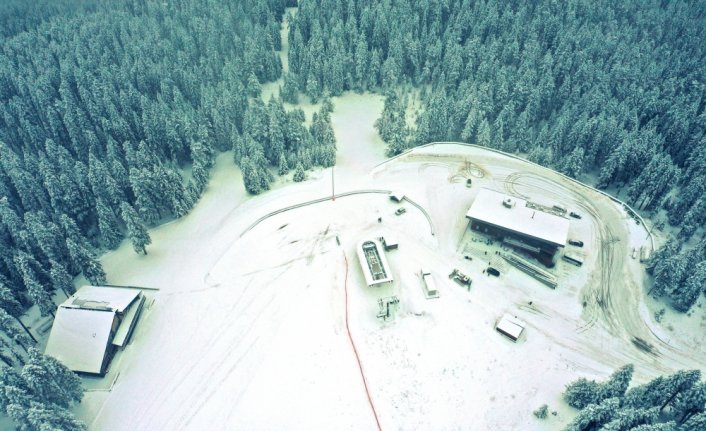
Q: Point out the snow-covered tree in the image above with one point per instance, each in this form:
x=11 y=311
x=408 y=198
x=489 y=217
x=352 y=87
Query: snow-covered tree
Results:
x=136 y=231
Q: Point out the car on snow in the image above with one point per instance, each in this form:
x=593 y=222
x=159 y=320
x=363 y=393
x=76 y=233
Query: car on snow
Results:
x=576 y=242
x=575 y=215
x=400 y=211
x=493 y=271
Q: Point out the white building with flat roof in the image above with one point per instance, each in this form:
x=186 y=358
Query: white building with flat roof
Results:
x=508 y=217
x=372 y=259
x=510 y=326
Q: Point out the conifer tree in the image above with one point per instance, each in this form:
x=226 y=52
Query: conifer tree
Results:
x=582 y=392
x=594 y=416
x=60 y=278
x=299 y=174
x=7 y=326
x=696 y=422
x=50 y=417
x=136 y=231
x=283 y=166
x=10 y=306
x=84 y=259
x=9 y=377
x=290 y=88
x=50 y=381
x=107 y=225
x=40 y=296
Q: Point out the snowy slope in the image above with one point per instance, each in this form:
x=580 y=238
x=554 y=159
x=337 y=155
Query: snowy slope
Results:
x=248 y=328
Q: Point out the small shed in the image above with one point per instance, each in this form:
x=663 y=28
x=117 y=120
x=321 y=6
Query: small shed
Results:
x=510 y=326
x=397 y=197
x=389 y=242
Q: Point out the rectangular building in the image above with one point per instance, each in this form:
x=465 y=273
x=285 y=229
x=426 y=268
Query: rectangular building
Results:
x=508 y=218
x=510 y=326
x=372 y=259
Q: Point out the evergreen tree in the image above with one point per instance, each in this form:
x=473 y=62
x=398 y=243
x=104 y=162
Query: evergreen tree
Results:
x=60 y=278
x=582 y=392
x=10 y=306
x=666 y=426
x=299 y=174
x=662 y=391
x=594 y=416
x=7 y=326
x=283 y=166
x=50 y=417
x=136 y=231
x=36 y=291
x=617 y=383
x=9 y=377
x=689 y=403
x=50 y=381
x=251 y=176
x=290 y=88
x=627 y=418
x=696 y=422
x=107 y=224
x=84 y=259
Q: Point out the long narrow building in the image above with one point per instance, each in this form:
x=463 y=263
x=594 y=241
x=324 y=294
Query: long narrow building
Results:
x=372 y=259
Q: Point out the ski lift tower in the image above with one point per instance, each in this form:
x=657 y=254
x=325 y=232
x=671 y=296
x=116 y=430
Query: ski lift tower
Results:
x=387 y=307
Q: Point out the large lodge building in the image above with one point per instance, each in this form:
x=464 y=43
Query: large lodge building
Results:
x=532 y=231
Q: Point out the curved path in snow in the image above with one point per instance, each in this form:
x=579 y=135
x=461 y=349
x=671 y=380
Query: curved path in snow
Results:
x=613 y=298
x=340 y=195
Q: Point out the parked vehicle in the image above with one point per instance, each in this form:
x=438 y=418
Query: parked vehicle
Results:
x=469 y=182
x=559 y=208
x=460 y=278
x=574 y=259
x=576 y=242
x=400 y=211
x=575 y=215
x=493 y=271
x=430 y=289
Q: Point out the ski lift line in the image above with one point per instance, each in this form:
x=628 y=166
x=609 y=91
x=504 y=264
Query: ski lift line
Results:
x=355 y=351
x=311 y=202
x=130 y=287
x=328 y=198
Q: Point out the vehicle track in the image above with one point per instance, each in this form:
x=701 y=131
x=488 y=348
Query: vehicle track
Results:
x=619 y=315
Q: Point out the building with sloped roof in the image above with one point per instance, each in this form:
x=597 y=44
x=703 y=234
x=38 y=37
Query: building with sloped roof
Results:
x=92 y=324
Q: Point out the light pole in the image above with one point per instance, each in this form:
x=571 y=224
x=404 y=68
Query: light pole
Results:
x=333 y=195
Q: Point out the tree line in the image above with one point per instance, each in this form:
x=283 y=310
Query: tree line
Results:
x=670 y=403
x=111 y=115
x=615 y=89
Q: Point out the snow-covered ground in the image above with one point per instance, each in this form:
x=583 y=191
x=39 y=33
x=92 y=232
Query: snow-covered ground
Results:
x=247 y=329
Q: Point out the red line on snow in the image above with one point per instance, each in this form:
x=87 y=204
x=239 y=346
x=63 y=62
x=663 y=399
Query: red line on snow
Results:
x=357 y=357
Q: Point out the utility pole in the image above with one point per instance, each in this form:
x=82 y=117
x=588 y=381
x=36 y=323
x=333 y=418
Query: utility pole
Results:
x=333 y=194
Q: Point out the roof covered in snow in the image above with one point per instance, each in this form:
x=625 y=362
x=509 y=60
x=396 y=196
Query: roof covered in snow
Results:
x=374 y=263
x=511 y=213
x=510 y=326
x=89 y=322
x=79 y=338
x=116 y=299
